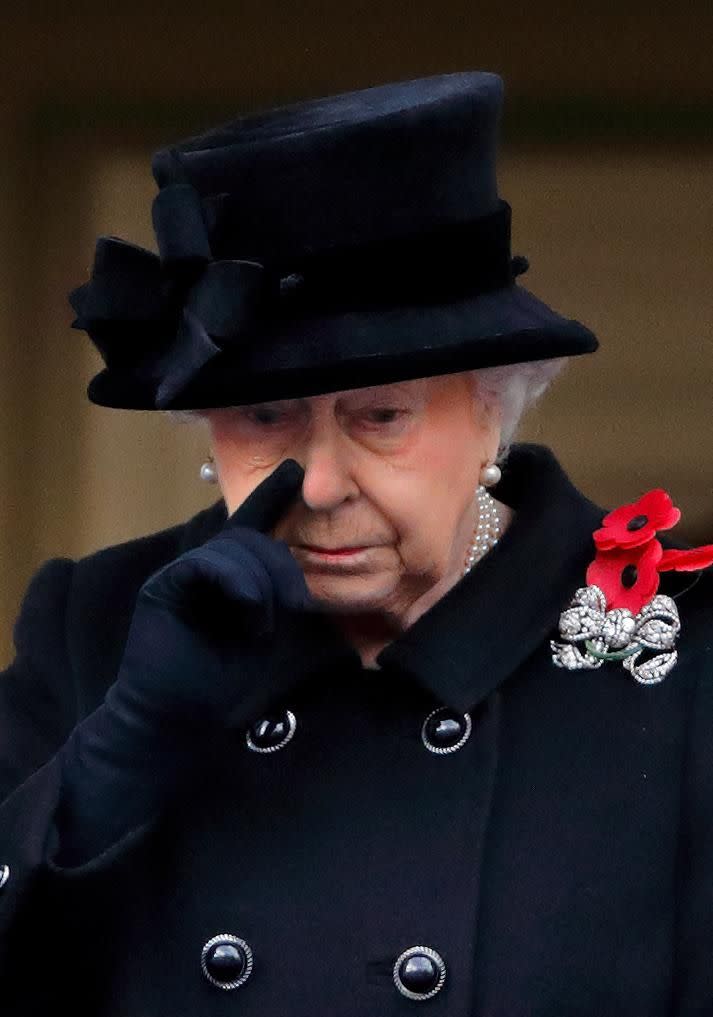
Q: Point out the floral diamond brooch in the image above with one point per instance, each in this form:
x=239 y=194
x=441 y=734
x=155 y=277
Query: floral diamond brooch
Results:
x=618 y=615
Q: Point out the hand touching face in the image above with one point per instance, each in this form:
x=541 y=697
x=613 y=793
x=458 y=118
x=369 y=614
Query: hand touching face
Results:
x=388 y=498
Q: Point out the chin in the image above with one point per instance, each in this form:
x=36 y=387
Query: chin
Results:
x=350 y=594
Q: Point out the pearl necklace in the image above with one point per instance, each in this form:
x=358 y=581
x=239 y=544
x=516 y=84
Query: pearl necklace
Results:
x=488 y=529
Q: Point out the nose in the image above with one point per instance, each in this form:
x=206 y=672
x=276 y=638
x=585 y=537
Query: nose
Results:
x=328 y=479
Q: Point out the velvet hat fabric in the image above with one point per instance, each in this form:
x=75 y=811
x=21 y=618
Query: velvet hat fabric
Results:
x=333 y=243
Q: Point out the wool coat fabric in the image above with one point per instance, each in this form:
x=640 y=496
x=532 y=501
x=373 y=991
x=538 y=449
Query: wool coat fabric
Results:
x=560 y=861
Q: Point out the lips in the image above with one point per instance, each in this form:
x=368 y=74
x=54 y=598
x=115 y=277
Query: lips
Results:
x=333 y=550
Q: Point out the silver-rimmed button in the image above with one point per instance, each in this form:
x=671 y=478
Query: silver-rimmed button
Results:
x=4 y=875
x=419 y=972
x=226 y=961
x=444 y=730
x=272 y=732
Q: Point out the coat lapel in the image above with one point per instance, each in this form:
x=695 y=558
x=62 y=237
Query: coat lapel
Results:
x=491 y=621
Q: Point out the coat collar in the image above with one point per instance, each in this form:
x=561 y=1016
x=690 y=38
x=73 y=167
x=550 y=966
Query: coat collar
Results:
x=486 y=625
x=202 y=526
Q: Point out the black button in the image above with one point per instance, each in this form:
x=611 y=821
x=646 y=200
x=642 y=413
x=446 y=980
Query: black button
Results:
x=226 y=961
x=419 y=972
x=270 y=733
x=444 y=730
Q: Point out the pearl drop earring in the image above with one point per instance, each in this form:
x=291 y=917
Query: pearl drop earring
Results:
x=208 y=471
x=490 y=475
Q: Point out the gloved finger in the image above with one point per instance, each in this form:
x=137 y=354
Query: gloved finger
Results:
x=230 y=569
x=209 y=571
x=264 y=506
x=285 y=573
x=220 y=588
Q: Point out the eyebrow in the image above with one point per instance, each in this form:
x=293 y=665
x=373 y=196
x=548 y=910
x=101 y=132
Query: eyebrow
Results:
x=371 y=391
x=375 y=392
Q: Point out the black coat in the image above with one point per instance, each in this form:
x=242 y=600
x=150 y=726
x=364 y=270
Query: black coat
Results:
x=560 y=861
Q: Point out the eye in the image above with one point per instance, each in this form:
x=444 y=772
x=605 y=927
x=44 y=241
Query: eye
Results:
x=384 y=415
x=265 y=416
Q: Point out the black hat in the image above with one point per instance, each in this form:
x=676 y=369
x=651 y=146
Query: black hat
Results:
x=334 y=243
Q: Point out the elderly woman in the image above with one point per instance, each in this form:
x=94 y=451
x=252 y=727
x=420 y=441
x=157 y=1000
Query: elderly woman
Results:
x=403 y=718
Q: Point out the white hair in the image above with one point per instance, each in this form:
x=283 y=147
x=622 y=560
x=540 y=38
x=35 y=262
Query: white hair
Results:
x=515 y=388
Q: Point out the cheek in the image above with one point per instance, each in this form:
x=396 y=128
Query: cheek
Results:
x=239 y=470
x=432 y=487
x=441 y=465
x=424 y=495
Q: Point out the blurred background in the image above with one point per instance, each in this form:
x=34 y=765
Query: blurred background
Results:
x=606 y=159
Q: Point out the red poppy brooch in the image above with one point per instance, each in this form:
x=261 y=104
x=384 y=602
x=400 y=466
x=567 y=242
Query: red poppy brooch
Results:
x=618 y=615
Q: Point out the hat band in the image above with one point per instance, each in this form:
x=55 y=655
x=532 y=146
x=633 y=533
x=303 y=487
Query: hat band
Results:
x=456 y=259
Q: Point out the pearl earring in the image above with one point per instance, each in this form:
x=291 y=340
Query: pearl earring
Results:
x=208 y=471
x=490 y=475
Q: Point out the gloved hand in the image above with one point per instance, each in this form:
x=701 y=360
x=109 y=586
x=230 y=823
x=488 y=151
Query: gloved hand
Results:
x=218 y=636
x=223 y=620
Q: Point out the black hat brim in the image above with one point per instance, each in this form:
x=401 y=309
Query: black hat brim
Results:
x=316 y=354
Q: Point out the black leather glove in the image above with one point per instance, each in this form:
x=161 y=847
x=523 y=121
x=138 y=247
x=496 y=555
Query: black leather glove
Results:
x=218 y=636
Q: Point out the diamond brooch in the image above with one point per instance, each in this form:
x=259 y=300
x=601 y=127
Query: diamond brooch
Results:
x=619 y=616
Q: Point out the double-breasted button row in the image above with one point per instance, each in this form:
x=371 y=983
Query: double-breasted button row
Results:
x=227 y=960
x=443 y=731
